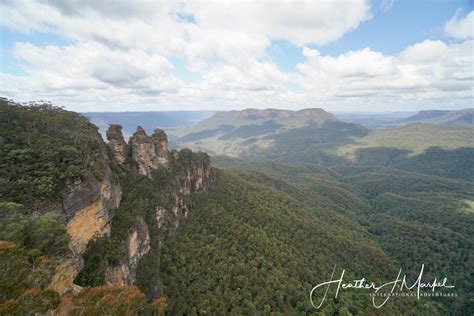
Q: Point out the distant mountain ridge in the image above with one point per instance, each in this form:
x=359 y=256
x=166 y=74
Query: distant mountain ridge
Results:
x=462 y=117
x=444 y=117
x=427 y=114
x=314 y=135
x=252 y=132
x=149 y=120
x=273 y=113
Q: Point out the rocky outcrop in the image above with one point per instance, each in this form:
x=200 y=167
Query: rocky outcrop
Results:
x=149 y=152
x=94 y=220
x=186 y=173
x=65 y=273
x=89 y=205
x=117 y=143
x=87 y=209
x=136 y=246
x=195 y=176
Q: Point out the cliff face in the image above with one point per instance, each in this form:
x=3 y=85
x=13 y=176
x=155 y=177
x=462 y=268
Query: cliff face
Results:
x=95 y=213
x=149 y=152
x=117 y=143
x=88 y=208
x=90 y=204
x=184 y=172
x=135 y=247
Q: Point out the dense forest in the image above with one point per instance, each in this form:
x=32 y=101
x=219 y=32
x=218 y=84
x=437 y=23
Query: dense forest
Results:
x=415 y=217
x=259 y=251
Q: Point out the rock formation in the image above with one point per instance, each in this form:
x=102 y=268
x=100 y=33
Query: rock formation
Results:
x=136 y=246
x=89 y=205
x=117 y=143
x=88 y=208
x=186 y=172
x=149 y=152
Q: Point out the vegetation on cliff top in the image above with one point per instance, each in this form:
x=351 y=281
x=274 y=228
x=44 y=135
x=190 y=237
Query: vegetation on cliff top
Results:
x=43 y=149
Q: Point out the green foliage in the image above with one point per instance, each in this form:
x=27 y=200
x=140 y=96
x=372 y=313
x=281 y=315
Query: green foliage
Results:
x=141 y=196
x=266 y=233
x=246 y=131
x=415 y=218
x=315 y=138
x=375 y=182
x=140 y=199
x=44 y=233
x=100 y=253
x=23 y=282
x=247 y=249
x=109 y=300
x=415 y=138
x=455 y=164
x=42 y=150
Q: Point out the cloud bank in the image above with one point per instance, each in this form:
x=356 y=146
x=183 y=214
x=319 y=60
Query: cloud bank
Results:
x=123 y=57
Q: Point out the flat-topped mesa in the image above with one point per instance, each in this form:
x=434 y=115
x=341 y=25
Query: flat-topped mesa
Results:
x=311 y=112
x=273 y=113
x=149 y=152
x=117 y=143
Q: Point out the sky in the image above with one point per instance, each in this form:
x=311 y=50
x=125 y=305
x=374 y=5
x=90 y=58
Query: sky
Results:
x=351 y=55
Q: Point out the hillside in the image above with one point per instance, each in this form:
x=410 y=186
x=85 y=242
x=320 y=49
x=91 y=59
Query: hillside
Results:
x=391 y=120
x=252 y=132
x=415 y=138
x=261 y=250
x=414 y=218
x=453 y=117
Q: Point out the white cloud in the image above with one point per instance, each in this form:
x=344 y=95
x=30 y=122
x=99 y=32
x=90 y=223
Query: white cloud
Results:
x=301 y=22
x=460 y=27
x=430 y=72
x=120 y=57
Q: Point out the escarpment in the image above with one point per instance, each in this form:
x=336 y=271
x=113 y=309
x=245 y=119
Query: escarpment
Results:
x=99 y=213
x=93 y=212
x=88 y=207
x=159 y=186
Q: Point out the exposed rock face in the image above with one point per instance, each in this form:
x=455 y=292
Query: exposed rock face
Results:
x=138 y=243
x=88 y=208
x=94 y=220
x=63 y=278
x=149 y=152
x=189 y=173
x=136 y=246
x=89 y=205
x=117 y=143
x=194 y=178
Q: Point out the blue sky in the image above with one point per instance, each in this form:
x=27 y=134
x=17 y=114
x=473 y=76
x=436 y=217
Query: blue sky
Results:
x=244 y=61
x=405 y=23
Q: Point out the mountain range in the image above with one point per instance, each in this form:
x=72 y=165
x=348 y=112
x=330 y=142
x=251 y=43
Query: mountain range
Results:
x=385 y=120
x=148 y=120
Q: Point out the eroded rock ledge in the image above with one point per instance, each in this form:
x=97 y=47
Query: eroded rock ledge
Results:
x=186 y=173
x=89 y=206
